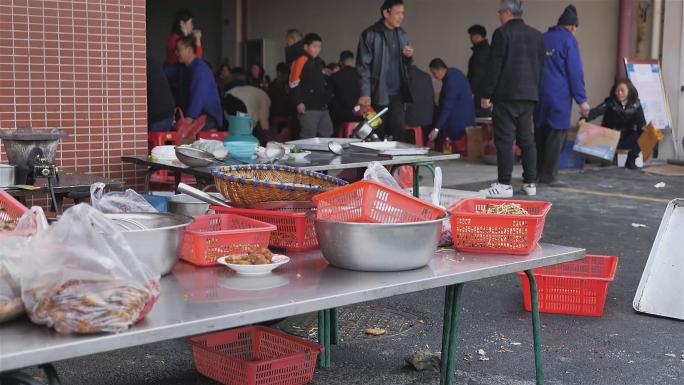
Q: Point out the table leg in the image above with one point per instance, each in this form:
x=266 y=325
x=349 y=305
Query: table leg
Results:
x=324 y=338
x=452 y=313
x=416 y=180
x=536 y=328
x=334 y=327
x=149 y=173
x=176 y=180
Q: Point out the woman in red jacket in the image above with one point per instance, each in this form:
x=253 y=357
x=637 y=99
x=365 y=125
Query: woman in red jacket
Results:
x=182 y=26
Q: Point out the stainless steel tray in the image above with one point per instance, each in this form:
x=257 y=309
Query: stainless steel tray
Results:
x=320 y=144
x=389 y=148
x=661 y=285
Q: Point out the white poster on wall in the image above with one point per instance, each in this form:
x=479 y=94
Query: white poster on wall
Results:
x=647 y=78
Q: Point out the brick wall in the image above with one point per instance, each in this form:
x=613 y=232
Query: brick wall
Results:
x=78 y=65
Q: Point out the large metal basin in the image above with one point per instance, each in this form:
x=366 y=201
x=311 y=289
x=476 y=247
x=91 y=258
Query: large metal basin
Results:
x=378 y=246
x=155 y=238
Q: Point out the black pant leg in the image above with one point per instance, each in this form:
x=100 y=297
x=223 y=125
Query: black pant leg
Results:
x=525 y=140
x=504 y=135
x=555 y=143
x=396 y=117
x=540 y=135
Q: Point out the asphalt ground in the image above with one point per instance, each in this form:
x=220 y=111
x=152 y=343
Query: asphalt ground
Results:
x=595 y=212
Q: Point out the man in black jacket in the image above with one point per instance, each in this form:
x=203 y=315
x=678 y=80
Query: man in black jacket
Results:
x=477 y=66
x=384 y=55
x=346 y=92
x=422 y=110
x=516 y=62
x=309 y=90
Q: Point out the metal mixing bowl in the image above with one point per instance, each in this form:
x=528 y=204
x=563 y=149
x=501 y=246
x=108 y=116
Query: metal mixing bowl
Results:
x=193 y=157
x=186 y=205
x=155 y=238
x=378 y=246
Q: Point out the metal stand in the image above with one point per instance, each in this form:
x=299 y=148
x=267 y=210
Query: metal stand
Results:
x=452 y=311
x=416 y=176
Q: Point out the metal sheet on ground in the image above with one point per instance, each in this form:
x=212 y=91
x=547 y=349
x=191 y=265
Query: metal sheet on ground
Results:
x=661 y=284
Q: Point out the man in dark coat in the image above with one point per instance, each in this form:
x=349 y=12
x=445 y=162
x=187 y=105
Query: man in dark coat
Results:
x=477 y=66
x=562 y=83
x=345 y=90
x=516 y=63
x=456 y=109
x=422 y=110
x=384 y=56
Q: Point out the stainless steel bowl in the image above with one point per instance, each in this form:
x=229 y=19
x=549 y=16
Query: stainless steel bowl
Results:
x=186 y=205
x=378 y=246
x=155 y=238
x=193 y=157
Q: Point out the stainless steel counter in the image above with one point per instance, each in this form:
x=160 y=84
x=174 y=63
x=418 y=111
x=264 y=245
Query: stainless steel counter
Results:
x=200 y=300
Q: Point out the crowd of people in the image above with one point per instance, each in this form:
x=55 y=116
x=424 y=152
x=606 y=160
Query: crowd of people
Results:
x=525 y=80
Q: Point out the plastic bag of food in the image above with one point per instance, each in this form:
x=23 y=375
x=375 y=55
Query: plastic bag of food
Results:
x=81 y=276
x=118 y=202
x=376 y=172
x=13 y=245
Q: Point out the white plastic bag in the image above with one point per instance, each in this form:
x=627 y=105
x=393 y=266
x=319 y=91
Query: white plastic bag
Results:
x=376 y=172
x=81 y=276
x=215 y=147
x=12 y=245
x=118 y=202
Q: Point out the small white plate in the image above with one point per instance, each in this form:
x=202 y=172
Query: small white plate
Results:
x=299 y=156
x=277 y=259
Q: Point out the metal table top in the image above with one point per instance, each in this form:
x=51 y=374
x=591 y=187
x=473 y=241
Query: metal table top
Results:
x=69 y=181
x=316 y=161
x=200 y=300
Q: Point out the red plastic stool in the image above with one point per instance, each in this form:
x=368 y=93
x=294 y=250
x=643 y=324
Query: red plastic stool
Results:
x=213 y=134
x=161 y=138
x=417 y=134
x=346 y=129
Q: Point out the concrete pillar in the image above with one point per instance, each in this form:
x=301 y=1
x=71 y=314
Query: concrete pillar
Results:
x=624 y=36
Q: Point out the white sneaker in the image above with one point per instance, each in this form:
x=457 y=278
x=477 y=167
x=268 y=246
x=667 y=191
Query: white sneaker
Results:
x=498 y=190
x=529 y=189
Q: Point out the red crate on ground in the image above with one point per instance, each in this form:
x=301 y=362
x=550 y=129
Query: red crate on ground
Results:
x=474 y=230
x=372 y=202
x=211 y=237
x=296 y=227
x=10 y=209
x=255 y=355
x=575 y=288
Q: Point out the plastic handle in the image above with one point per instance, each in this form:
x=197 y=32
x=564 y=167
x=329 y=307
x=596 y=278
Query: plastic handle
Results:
x=201 y=195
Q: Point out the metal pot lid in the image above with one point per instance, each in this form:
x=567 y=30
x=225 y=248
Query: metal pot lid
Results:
x=33 y=134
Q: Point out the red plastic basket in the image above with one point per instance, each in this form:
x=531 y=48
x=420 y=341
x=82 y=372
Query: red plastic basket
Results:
x=371 y=202
x=213 y=236
x=10 y=209
x=576 y=288
x=476 y=231
x=296 y=227
x=255 y=355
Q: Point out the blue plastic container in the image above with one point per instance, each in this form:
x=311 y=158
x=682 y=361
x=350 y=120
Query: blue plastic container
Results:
x=240 y=129
x=241 y=150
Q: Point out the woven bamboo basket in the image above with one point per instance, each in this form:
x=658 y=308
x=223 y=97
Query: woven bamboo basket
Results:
x=249 y=184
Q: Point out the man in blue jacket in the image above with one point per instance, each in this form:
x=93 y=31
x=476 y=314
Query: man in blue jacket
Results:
x=562 y=83
x=199 y=93
x=456 y=106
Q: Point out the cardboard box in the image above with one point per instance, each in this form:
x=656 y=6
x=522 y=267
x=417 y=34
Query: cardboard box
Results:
x=475 y=136
x=596 y=142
